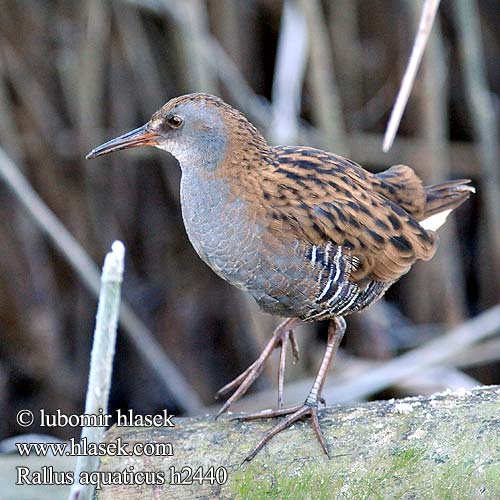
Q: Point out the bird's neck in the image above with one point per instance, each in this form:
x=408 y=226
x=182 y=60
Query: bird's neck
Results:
x=247 y=161
x=227 y=169
x=228 y=190
x=204 y=159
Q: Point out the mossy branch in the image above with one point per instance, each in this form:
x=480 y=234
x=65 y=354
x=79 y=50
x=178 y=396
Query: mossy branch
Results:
x=445 y=446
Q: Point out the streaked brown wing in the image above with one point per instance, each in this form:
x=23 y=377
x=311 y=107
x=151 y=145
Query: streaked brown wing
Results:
x=322 y=197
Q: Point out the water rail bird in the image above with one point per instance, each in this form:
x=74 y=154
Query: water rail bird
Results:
x=310 y=235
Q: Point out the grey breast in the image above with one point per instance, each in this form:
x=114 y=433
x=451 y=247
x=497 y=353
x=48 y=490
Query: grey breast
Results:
x=218 y=229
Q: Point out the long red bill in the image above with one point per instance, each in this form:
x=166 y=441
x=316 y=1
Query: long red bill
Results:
x=139 y=137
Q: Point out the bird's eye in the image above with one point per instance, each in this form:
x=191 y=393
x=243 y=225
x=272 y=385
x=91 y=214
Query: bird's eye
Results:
x=175 y=121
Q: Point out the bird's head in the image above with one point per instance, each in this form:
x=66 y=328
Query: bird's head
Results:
x=195 y=128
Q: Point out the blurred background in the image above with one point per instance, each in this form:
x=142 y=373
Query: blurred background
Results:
x=322 y=73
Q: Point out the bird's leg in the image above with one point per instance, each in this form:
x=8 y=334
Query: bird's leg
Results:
x=280 y=338
x=310 y=407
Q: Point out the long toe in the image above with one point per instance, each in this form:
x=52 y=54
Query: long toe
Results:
x=235 y=382
x=241 y=384
x=293 y=414
x=266 y=414
x=252 y=376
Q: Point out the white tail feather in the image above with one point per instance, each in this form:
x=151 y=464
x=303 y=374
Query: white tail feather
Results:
x=434 y=222
x=471 y=189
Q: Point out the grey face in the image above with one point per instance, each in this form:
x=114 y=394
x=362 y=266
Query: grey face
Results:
x=193 y=132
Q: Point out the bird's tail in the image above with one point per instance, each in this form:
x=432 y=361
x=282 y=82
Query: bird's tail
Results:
x=441 y=199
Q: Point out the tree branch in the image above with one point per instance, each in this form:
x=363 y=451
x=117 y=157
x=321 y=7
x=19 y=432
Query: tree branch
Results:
x=411 y=448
